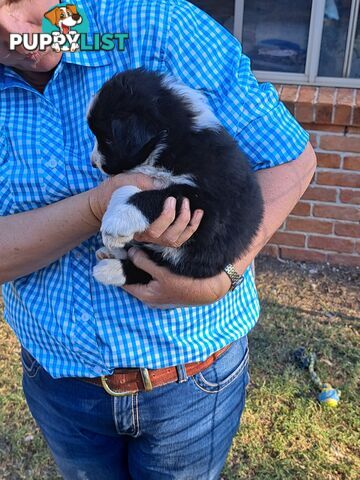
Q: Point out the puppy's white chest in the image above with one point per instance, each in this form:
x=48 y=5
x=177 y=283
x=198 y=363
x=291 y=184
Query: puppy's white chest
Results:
x=163 y=178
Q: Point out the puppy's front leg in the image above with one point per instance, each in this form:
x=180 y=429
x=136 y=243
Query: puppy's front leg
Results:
x=122 y=219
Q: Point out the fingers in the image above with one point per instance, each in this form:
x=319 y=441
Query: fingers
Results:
x=171 y=236
x=139 y=291
x=158 y=227
x=191 y=228
x=167 y=232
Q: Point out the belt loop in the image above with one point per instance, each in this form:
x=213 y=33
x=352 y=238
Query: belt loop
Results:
x=181 y=372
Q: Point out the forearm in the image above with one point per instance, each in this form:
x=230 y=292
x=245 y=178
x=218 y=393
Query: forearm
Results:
x=282 y=187
x=32 y=240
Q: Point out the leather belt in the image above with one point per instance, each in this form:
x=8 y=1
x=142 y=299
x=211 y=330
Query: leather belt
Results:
x=128 y=381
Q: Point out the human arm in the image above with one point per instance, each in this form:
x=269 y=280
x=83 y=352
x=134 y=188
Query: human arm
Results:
x=282 y=187
x=33 y=240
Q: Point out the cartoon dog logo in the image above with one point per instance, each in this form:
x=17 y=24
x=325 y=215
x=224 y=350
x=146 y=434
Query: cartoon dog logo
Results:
x=64 y=18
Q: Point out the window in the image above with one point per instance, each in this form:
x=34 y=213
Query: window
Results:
x=313 y=42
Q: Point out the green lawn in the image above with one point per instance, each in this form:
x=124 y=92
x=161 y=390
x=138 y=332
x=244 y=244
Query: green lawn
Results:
x=285 y=434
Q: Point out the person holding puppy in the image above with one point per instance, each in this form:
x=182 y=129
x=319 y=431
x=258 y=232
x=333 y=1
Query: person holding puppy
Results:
x=120 y=386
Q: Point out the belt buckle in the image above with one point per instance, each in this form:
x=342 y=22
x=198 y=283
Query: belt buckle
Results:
x=145 y=376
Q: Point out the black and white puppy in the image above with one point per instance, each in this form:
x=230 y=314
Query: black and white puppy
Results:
x=151 y=123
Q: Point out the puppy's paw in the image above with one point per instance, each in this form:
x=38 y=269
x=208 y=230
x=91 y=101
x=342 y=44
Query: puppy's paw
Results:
x=122 y=220
x=110 y=272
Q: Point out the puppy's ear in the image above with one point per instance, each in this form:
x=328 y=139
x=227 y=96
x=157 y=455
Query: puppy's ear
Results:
x=72 y=8
x=52 y=16
x=132 y=136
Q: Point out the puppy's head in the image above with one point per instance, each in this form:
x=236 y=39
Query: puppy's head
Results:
x=131 y=117
x=67 y=16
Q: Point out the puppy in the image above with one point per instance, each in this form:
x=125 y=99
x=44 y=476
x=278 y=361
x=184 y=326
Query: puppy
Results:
x=151 y=123
x=64 y=18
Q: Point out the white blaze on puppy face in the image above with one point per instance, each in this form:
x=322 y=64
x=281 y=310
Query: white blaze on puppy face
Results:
x=97 y=159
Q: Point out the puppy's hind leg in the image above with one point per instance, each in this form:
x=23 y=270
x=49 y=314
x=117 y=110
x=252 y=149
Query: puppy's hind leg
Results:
x=119 y=272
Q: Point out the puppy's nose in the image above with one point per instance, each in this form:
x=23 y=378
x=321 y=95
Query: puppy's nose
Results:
x=76 y=16
x=93 y=164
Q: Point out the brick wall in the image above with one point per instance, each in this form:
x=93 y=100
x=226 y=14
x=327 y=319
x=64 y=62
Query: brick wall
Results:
x=325 y=225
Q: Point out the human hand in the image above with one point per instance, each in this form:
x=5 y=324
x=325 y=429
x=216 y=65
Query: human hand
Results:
x=99 y=197
x=168 y=290
x=169 y=233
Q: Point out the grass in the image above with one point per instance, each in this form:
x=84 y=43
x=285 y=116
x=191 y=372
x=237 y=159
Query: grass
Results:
x=285 y=433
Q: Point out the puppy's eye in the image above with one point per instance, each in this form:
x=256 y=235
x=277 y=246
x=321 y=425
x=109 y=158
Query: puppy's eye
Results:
x=62 y=15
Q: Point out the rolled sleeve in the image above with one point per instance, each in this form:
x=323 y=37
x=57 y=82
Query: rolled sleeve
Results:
x=207 y=57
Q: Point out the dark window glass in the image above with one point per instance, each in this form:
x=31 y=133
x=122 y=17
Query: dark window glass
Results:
x=222 y=10
x=333 y=45
x=275 y=34
x=355 y=65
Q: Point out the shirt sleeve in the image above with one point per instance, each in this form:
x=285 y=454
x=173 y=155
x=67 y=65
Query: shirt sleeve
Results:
x=205 y=56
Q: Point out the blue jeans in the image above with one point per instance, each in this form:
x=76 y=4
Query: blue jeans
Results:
x=179 y=431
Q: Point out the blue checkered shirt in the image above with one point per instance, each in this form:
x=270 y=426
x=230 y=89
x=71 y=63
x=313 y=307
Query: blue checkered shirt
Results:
x=71 y=324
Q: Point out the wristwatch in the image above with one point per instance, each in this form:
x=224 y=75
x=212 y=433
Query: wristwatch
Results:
x=235 y=277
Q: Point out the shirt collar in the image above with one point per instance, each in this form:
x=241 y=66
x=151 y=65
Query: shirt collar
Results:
x=9 y=78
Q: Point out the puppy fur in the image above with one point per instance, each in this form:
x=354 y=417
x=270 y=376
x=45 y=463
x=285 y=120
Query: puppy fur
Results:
x=152 y=123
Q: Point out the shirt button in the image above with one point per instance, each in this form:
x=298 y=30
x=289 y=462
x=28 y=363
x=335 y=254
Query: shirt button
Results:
x=77 y=255
x=85 y=317
x=52 y=163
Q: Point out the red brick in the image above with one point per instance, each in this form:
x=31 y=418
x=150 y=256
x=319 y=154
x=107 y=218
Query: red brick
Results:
x=351 y=260
x=302 y=209
x=353 y=130
x=342 y=115
x=302 y=254
x=324 y=113
x=304 y=107
x=324 y=127
x=344 y=104
x=314 y=140
x=304 y=112
x=340 y=143
x=342 y=213
x=322 y=194
x=352 y=163
x=307 y=94
x=270 y=250
x=356 y=118
x=357 y=247
x=328 y=160
x=289 y=93
x=325 y=105
x=348 y=195
x=332 y=244
x=340 y=179
x=309 y=225
x=326 y=95
x=293 y=239
x=348 y=230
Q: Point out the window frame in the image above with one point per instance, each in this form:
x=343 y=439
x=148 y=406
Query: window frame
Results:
x=310 y=77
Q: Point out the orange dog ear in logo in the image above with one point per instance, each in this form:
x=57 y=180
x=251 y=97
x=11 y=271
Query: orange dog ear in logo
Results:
x=72 y=8
x=53 y=15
